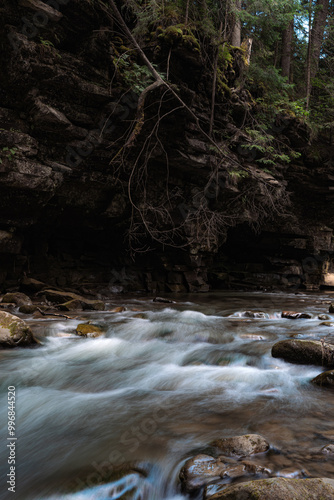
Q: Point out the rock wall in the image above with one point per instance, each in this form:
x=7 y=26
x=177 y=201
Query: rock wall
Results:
x=85 y=204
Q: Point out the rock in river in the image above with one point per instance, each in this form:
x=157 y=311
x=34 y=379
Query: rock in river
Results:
x=242 y=446
x=307 y=352
x=254 y=314
x=202 y=470
x=325 y=379
x=295 y=315
x=14 y=331
x=88 y=330
x=17 y=298
x=278 y=489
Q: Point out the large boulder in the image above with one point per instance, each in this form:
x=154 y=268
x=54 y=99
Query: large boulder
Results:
x=307 y=352
x=14 y=331
x=242 y=446
x=278 y=489
x=18 y=298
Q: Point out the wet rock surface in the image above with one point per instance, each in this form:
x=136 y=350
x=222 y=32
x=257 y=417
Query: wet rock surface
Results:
x=304 y=352
x=296 y=315
x=325 y=379
x=14 y=332
x=278 y=489
x=88 y=330
x=242 y=446
x=204 y=469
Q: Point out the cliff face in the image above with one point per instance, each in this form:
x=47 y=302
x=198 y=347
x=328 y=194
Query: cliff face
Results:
x=87 y=197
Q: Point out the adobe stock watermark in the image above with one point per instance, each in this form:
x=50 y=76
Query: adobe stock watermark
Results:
x=132 y=439
x=32 y=25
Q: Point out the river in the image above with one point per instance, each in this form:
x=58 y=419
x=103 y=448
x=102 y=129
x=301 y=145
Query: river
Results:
x=164 y=381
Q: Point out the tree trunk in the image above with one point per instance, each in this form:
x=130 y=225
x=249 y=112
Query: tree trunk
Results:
x=317 y=35
x=214 y=83
x=186 y=17
x=236 y=30
x=309 y=51
x=287 y=37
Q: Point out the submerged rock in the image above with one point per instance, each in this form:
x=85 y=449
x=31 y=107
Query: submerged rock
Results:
x=242 y=446
x=278 y=489
x=331 y=308
x=163 y=300
x=295 y=315
x=14 y=331
x=328 y=449
x=118 y=309
x=254 y=314
x=17 y=298
x=88 y=330
x=291 y=472
x=325 y=379
x=324 y=317
x=307 y=352
x=204 y=469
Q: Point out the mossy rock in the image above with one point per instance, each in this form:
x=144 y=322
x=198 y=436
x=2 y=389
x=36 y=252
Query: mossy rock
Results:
x=14 y=331
x=279 y=489
x=171 y=35
x=88 y=330
x=28 y=309
x=71 y=305
x=191 y=42
x=304 y=352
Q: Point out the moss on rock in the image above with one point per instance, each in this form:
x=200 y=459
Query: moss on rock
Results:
x=14 y=331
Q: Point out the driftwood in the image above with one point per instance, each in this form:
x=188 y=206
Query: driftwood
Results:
x=58 y=315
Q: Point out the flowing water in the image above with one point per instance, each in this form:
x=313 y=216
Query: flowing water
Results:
x=156 y=389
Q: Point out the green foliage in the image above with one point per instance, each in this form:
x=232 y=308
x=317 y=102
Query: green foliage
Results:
x=238 y=174
x=8 y=153
x=136 y=76
x=46 y=43
x=268 y=151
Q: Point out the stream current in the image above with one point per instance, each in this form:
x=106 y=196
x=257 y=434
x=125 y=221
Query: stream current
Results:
x=155 y=389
